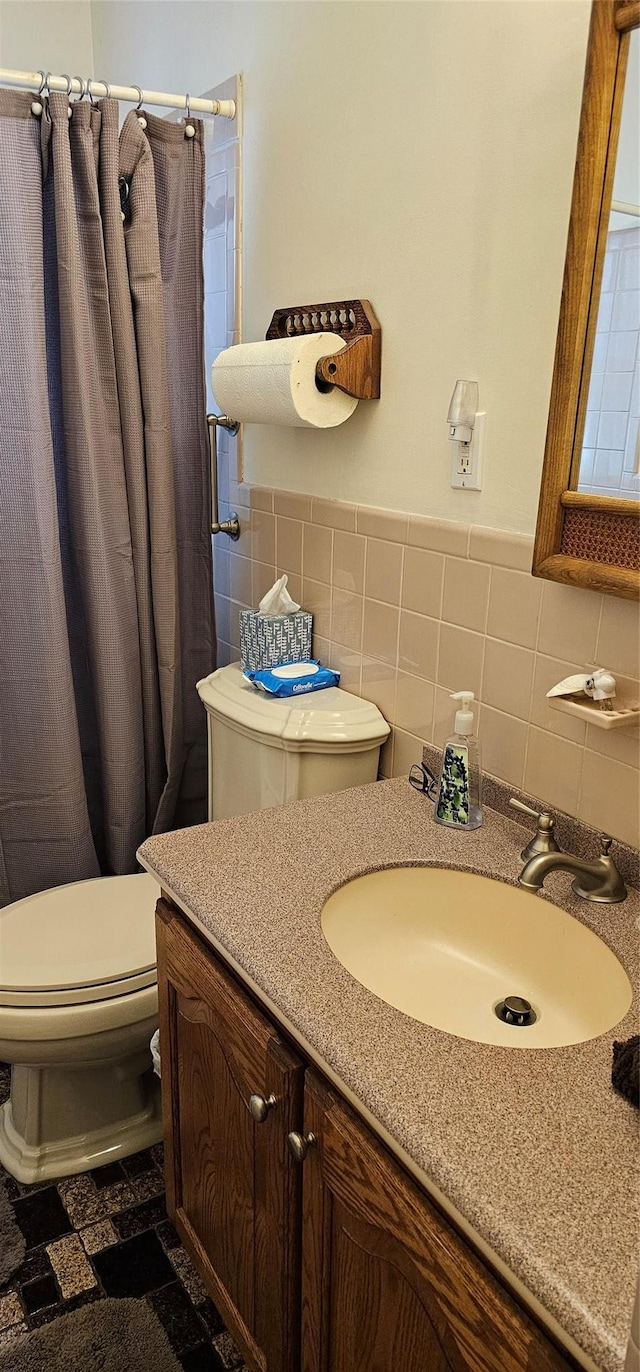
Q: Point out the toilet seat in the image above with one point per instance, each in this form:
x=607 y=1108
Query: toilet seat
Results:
x=76 y=944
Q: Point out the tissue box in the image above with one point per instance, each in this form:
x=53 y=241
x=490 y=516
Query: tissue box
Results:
x=268 y=640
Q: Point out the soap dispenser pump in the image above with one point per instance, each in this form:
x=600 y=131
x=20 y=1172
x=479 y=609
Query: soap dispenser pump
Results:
x=459 y=803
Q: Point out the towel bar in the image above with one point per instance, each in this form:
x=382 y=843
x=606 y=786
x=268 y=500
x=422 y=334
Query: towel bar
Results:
x=230 y=526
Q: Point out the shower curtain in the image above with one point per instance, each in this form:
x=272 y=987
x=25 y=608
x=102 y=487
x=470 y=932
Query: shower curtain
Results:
x=106 y=596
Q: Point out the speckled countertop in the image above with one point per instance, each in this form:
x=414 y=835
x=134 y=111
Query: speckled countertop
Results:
x=532 y=1150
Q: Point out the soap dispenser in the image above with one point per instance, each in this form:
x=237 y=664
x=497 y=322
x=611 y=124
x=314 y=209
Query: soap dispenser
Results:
x=459 y=803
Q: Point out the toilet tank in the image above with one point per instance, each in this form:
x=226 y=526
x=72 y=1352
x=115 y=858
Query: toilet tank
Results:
x=264 y=751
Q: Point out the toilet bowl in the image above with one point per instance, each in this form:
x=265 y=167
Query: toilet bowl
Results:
x=78 y=1006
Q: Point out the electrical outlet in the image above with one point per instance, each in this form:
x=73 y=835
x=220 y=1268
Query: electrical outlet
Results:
x=466 y=461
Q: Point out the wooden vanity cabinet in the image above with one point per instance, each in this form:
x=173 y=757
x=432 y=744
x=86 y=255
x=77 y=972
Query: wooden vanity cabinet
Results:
x=233 y=1190
x=387 y=1283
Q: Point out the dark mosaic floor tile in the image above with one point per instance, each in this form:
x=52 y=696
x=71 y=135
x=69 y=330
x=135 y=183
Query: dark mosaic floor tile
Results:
x=228 y=1354
x=36 y=1264
x=133 y=1268
x=157 y=1153
x=140 y=1217
x=11 y=1313
x=201 y=1359
x=211 y=1317
x=177 y=1316
x=135 y=1265
x=35 y=1294
x=167 y=1235
x=42 y=1217
x=29 y=1188
x=52 y=1312
x=147 y=1186
x=138 y=1163
x=106 y=1176
x=11 y=1187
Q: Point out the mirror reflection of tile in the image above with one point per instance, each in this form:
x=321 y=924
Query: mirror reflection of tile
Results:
x=610 y=459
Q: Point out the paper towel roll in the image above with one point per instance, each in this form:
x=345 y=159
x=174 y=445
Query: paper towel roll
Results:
x=274 y=382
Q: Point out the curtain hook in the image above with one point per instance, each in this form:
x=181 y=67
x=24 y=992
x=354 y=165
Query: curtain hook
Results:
x=141 y=119
x=189 y=129
x=36 y=105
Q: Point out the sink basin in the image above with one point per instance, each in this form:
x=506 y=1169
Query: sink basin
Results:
x=448 y=947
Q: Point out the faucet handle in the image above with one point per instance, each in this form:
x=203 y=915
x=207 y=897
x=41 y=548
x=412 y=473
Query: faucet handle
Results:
x=526 y=809
x=544 y=840
x=605 y=844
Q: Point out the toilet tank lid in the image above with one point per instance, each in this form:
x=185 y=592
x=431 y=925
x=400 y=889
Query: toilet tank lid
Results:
x=331 y=716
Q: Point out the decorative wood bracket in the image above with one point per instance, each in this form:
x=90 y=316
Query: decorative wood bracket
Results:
x=355 y=369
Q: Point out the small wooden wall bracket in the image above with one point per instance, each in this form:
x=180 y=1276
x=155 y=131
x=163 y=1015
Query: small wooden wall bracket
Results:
x=355 y=369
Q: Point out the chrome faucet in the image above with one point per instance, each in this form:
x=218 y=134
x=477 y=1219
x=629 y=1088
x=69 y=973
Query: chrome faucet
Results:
x=598 y=881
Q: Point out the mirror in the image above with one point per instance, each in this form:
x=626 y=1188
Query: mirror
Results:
x=609 y=458
x=588 y=531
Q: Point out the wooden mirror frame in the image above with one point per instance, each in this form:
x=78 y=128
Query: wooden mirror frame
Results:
x=588 y=540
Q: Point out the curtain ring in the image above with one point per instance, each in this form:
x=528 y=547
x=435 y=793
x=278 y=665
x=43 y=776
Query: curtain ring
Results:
x=83 y=83
x=189 y=129
x=141 y=119
x=36 y=105
x=69 y=85
x=98 y=83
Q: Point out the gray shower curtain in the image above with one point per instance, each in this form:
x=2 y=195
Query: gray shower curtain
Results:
x=106 y=597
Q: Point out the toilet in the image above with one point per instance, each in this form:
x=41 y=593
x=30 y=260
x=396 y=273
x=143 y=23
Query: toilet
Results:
x=78 y=987
x=265 y=751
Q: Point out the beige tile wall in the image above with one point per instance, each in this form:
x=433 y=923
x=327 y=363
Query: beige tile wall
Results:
x=409 y=609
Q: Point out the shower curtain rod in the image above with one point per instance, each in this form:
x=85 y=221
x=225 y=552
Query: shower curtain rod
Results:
x=624 y=207
x=76 y=85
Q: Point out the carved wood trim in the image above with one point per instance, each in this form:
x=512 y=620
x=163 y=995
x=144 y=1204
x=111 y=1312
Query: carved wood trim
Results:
x=627 y=15
x=573 y=571
x=355 y=369
x=593 y=181
x=583 y=500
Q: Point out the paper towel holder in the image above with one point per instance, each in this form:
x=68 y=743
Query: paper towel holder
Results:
x=355 y=369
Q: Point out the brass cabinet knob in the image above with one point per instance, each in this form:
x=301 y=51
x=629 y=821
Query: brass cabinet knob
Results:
x=259 y=1107
x=299 y=1144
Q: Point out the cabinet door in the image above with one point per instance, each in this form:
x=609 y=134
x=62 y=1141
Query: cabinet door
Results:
x=233 y=1192
x=387 y=1284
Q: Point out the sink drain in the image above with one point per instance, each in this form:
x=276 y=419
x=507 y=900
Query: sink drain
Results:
x=515 y=1010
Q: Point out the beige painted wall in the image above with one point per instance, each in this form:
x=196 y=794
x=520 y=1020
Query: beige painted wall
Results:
x=419 y=154
x=47 y=35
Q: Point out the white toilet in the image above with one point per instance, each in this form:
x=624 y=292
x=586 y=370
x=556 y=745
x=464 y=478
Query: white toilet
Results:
x=78 y=993
x=264 y=751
